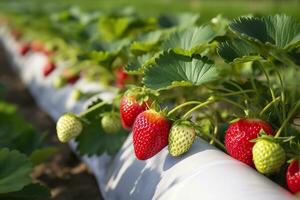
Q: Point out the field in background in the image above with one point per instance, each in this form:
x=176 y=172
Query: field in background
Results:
x=207 y=8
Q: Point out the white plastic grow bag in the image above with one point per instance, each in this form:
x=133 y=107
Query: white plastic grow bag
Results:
x=203 y=173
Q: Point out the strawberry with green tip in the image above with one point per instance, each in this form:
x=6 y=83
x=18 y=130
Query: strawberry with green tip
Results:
x=182 y=136
x=268 y=156
x=150 y=134
x=68 y=127
x=111 y=123
x=293 y=176
x=70 y=75
x=239 y=134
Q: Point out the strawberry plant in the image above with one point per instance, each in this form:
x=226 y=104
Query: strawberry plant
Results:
x=21 y=148
x=250 y=85
x=234 y=84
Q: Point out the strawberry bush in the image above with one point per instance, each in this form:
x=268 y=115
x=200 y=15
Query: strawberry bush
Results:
x=21 y=149
x=232 y=83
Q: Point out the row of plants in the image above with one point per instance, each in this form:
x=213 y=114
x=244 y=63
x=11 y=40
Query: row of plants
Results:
x=233 y=83
x=21 y=149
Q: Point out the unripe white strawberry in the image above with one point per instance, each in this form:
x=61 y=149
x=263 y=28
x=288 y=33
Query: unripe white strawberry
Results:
x=111 y=123
x=181 y=138
x=68 y=127
x=268 y=156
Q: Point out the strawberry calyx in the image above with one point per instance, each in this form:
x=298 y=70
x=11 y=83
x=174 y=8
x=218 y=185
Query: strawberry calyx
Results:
x=185 y=122
x=142 y=94
x=262 y=135
x=71 y=75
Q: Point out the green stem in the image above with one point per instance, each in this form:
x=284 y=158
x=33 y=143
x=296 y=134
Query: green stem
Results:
x=236 y=93
x=197 y=107
x=214 y=88
x=261 y=65
x=239 y=88
x=215 y=132
x=91 y=109
x=211 y=137
x=282 y=94
x=182 y=105
x=198 y=102
x=235 y=104
x=268 y=80
x=269 y=105
x=292 y=112
x=214 y=100
x=247 y=98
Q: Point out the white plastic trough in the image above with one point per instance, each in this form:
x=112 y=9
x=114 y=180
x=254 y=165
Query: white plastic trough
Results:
x=203 y=173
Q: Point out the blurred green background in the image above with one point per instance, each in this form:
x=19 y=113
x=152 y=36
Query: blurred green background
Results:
x=206 y=8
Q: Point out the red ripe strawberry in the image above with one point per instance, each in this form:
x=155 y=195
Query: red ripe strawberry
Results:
x=37 y=46
x=24 y=49
x=150 y=134
x=121 y=77
x=73 y=79
x=48 y=68
x=129 y=110
x=70 y=75
x=238 y=136
x=293 y=176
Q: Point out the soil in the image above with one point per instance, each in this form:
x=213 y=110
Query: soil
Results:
x=67 y=177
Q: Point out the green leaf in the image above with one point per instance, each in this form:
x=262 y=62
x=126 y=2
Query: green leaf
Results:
x=40 y=155
x=171 y=70
x=106 y=52
x=114 y=28
x=15 y=133
x=146 y=42
x=93 y=140
x=100 y=56
x=14 y=171
x=138 y=63
x=190 y=41
x=280 y=31
x=220 y=24
x=29 y=192
x=238 y=51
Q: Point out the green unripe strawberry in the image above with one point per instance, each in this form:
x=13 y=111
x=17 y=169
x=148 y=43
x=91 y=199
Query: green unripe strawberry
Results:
x=59 y=82
x=268 y=156
x=111 y=123
x=68 y=127
x=76 y=94
x=181 y=138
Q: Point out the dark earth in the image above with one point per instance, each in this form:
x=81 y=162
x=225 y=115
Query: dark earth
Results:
x=67 y=177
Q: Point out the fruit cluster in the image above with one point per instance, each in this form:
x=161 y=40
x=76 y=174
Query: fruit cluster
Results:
x=232 y=85
x=249 y=140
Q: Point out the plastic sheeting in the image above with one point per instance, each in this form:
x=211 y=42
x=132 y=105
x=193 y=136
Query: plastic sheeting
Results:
x=203 y=173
